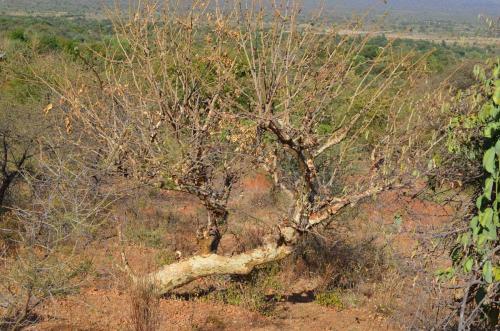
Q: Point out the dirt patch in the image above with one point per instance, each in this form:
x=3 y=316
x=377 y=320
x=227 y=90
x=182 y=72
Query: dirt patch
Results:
x=96 y=309
x=395 y=220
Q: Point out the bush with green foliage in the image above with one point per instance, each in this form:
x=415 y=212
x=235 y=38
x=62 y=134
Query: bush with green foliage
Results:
x=18 y=34
x=330 y=299
x=476 y=252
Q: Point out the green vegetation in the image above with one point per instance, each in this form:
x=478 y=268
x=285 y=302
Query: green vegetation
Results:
x=59 y=184
x=24 y=28
x=259 y=291
x=476 y=253
x=330 y=299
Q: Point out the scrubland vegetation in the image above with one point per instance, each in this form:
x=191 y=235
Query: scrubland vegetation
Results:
x=164 y=164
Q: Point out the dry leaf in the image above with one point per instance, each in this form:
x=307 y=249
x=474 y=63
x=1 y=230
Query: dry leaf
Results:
x=48 y=108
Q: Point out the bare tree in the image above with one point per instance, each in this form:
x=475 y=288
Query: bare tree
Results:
x=190 y=100
x=11 y=164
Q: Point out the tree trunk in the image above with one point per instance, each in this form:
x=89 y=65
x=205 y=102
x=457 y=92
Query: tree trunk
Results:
x=174 y=275
x=181 y=273
x=275 y=248
x=4 y=187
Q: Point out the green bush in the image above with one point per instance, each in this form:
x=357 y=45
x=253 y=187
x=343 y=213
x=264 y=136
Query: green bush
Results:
x=18 y=34
x=331 y=299
x=474 y=254
x=48 y=43
x=259 y=291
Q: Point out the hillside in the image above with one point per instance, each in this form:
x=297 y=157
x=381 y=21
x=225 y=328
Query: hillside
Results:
x=429 y=8
x=250 y=168
x=55 y=6
x=450 y=9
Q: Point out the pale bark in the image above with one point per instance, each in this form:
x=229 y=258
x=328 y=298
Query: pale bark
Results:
x=276 y=248
x=181 y=273
x=284 y=78
x=338 y=136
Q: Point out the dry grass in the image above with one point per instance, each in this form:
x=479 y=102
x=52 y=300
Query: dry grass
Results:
x=341 y=262
x=145 y=311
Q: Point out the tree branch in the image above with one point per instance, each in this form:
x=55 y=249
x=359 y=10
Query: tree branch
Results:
x=181 y=273
x=336 y=204
x=338 y=136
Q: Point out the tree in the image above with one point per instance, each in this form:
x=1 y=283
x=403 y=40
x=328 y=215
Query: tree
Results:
x=21 y=123
x=12 y=162
x=190 y=100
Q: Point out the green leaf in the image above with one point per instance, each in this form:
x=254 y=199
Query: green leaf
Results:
x=488 y=272
x=485 y=112
x=479 y=202
x=456 y=254
x=497 y=148
x=488 y=187
x=479 y=73
x=496 y=273
x=474 y=225
x=468 y=264
x=494 y=111
x=490 y=129
x=489 y=160
x=496 y=95
x=476 y=70
x=465 y=239
x=481 y=240
x=492 y=232
x=474 y=222
x=489 y=225
x=486 y=217
x=446 y=273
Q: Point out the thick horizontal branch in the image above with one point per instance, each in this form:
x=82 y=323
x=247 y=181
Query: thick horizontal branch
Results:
x=181 y=273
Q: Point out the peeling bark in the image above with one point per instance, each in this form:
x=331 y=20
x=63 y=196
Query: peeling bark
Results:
x=181 y=273
x=276 y=248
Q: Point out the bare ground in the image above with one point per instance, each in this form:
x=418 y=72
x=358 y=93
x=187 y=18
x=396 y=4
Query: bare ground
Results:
x=394 y=299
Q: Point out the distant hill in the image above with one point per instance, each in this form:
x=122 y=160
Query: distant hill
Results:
x=448 y=9
x=68 y=6
x=429 y=8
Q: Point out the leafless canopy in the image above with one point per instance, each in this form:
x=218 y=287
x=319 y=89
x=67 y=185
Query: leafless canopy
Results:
x=191 y=99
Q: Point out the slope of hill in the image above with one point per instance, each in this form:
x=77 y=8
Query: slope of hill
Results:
x=449 y=7
x=428 y=8
x=57 y=6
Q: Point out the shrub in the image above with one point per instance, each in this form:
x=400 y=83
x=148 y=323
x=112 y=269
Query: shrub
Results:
x=145 y=312
x=48 y=43
x=330 y=299
x=259 y=291
x=475 y=256
x=18 y=34
x=342 y=264
x=33 y=277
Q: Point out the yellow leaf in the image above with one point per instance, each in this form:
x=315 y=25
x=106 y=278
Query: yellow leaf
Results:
x=48 y=108
x=67 y=123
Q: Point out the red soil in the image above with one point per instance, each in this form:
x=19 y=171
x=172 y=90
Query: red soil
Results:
x=105 y=304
